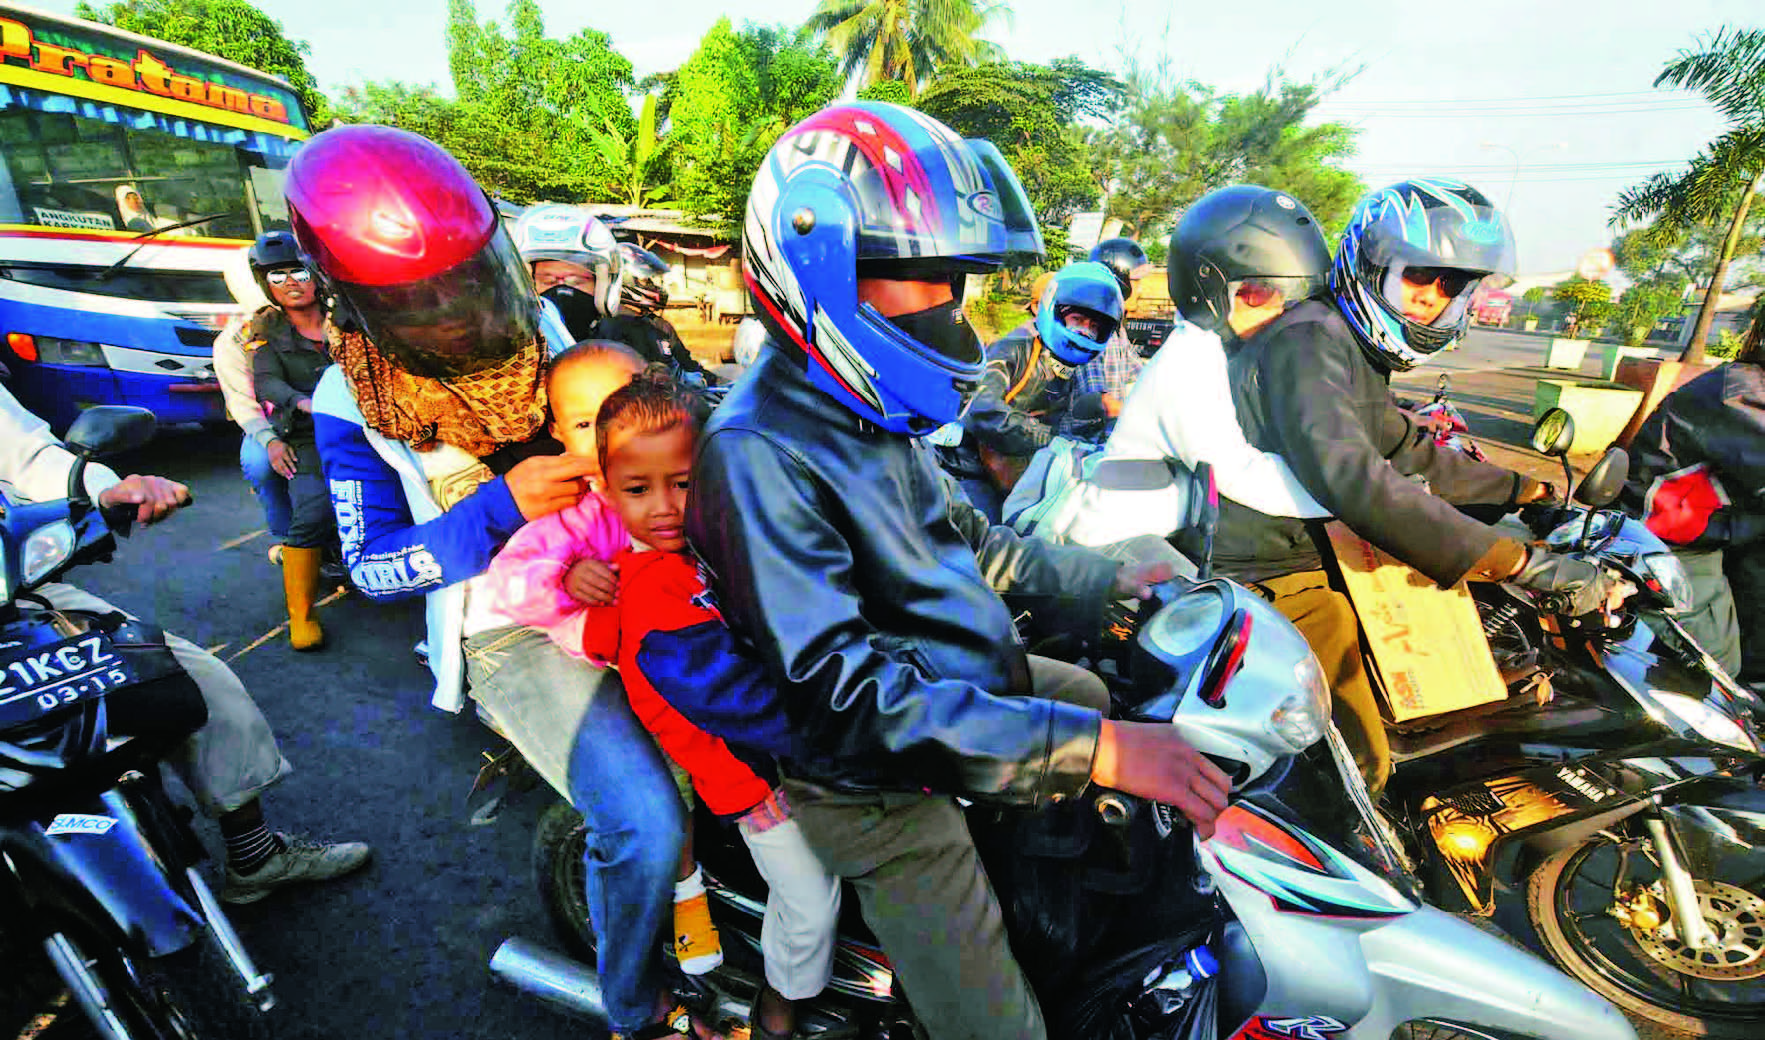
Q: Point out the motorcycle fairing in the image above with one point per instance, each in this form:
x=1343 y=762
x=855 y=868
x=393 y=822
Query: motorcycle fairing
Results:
x=115 y=868
x=1299 y=873
x=1715 y=816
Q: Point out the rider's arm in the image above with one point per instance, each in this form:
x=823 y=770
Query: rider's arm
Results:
x=269 y=381
x=1181 y=408
x=785 y=576
x=390 y=556
x=990 y=419
x=526 y=577
x=1452 y=474
x=232 y=368
x=33 y=464
x=1318 y=388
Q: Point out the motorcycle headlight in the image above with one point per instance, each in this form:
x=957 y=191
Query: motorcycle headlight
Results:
x=1300 y=719
x=46 y=549
x=1706 y=720
x=1669 y=571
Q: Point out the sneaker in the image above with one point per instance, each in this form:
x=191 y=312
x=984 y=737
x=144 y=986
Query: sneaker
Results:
x=697 y=945
x=301 y=861
x=677 y=1022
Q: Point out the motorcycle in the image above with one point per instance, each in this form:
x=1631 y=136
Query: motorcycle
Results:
x=1118 y=914
x=96 y=861
x=1620 y=787
x=1450 y=430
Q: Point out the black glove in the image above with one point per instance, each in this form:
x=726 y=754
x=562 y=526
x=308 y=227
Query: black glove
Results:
x=1576 y=587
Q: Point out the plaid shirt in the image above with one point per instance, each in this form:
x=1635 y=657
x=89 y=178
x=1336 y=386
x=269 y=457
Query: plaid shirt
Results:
x=1112 y=371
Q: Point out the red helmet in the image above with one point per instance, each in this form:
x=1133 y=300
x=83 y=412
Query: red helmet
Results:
x=409 y=241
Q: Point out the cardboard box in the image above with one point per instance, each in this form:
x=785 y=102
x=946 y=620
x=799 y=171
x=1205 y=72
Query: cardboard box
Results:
x=1428 y=645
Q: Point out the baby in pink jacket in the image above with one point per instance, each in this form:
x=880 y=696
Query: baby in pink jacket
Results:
x=554 y=567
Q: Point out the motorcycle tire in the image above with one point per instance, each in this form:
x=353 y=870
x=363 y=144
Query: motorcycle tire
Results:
x=558 y=841
x=191 y=994
x=1614 y=962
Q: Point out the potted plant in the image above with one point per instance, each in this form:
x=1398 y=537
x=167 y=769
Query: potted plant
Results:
x=1580 y=295
x=1531 y=298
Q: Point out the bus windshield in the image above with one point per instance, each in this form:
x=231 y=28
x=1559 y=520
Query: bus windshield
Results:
x=98 y=133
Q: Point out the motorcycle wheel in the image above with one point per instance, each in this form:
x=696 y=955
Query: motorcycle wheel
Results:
x=1647 y=972
x=191 y=994
x=558 y=842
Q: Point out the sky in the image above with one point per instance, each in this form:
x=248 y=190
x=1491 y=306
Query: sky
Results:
x=1543 y=102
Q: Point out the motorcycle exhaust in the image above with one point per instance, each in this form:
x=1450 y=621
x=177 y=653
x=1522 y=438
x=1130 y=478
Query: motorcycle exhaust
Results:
x=552 y=977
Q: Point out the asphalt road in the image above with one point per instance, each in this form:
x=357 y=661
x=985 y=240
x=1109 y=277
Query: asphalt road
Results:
x=401 y=949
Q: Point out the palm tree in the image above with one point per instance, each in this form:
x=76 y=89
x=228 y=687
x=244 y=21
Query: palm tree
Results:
x=905 y=40
x=1729 y=71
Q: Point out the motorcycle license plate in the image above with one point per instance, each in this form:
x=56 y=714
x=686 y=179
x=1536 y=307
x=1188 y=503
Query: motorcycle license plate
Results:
x=43 y=679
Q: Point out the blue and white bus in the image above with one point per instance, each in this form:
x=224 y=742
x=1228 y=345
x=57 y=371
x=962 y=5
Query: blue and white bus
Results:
x=130 y=171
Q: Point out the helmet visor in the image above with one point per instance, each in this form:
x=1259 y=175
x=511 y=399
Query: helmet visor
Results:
x=979 y=221
x=470 y=317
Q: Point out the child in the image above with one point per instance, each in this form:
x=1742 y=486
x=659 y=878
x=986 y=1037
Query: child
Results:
x=710 y=707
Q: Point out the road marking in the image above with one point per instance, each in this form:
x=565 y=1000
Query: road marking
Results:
x=336 y=595
x=241 y=540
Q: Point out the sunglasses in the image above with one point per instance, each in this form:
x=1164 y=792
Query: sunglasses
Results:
x=1451 y=280
x=298 y=275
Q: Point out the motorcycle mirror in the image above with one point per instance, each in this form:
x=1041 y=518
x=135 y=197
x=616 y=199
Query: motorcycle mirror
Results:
x=102 y=430
x=107 y=429
x=1554 y=433
x=1602 y=484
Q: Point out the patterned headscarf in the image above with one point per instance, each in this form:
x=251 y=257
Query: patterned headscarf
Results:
x=478 y=413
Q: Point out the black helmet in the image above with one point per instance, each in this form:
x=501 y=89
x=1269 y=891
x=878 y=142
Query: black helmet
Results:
x=1240 y=233
x=1125 y=257
x=641 y=290
x=274 y=249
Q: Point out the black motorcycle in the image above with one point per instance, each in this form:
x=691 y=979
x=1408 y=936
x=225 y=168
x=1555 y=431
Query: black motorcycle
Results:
x=96 y=862
x=1621 y=785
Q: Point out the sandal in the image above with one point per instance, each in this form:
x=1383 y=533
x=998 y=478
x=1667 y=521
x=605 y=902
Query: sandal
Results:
x=679 y=1021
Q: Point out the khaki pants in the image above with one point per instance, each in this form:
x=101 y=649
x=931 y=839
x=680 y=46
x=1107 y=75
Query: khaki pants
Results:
x=1327 y=620
x=924 y=894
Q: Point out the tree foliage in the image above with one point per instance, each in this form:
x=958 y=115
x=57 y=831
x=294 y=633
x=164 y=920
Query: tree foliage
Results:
x=908 y=41
x=530 y=113
x=1718 y=188
x=1579 y=293
x=727 y=105
x=230 y=29
x=1647 y=302
x=1030 y=113
x=1173 y=142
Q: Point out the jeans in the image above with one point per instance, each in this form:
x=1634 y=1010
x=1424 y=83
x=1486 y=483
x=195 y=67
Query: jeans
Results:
x=268 y=485
x=571 y=721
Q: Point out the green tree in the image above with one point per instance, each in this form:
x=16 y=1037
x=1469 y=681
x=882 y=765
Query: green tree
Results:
x=727 y=105
x=638 y=160
x=1173 y=142
x=529 y=109
x=230 y=29
x=1718 y=188
x=1586 y=298
x=1645 y=303
x=1030 y=112
x=910 y=41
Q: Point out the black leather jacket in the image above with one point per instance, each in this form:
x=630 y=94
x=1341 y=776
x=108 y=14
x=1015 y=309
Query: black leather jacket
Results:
x=1023 y=422
x=1305 y=390
x=1717 y=421
x=873 y=592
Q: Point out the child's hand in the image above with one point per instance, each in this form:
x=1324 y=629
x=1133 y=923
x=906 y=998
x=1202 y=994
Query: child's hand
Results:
x=592 y=582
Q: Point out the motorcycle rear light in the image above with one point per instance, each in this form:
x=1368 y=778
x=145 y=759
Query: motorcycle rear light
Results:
x=23 y=345
x=1225 y=660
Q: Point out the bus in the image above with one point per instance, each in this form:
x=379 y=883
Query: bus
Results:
x=131 y=171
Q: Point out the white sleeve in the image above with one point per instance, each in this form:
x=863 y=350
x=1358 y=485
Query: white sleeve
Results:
x=1181 y=408
x=552 y=328
x=232 y=367
x=33 y=465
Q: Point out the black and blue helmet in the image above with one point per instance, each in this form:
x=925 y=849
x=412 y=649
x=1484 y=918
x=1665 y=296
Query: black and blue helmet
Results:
x=1444 y=225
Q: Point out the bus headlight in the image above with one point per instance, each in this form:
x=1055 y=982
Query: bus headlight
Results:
x=53 y=351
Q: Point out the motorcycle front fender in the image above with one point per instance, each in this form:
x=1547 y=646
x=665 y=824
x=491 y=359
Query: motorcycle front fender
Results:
x=1716 y=817
x=98 y=863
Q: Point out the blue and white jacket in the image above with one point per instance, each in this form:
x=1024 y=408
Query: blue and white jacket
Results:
x=397 y=540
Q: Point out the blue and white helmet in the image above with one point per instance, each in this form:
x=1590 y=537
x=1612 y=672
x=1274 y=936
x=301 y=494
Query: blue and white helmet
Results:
x=554 y=231
x=1434 y=227
x=878 y=190
x=1087 y=286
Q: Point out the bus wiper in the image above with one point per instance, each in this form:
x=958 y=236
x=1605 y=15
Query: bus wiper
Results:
x=104 y=275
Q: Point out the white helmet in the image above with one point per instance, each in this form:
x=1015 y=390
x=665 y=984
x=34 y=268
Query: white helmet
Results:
x=557 y=232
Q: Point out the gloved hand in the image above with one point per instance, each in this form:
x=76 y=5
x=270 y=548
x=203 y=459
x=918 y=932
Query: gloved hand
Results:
x=1579 y=586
